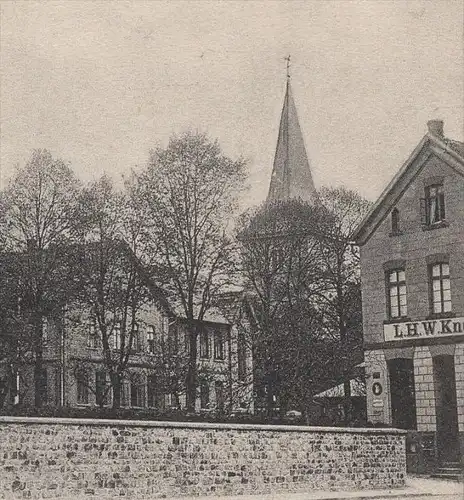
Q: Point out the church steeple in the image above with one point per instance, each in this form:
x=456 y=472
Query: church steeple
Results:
x=291 y=174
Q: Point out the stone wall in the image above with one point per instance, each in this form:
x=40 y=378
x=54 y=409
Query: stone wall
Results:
x=73 y=459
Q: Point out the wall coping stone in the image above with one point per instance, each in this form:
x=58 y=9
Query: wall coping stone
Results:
x=196 y=425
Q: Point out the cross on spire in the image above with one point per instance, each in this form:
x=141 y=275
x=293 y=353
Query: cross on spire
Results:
x=288 y=66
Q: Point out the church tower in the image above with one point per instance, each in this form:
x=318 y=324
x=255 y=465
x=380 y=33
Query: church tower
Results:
x=291 y=174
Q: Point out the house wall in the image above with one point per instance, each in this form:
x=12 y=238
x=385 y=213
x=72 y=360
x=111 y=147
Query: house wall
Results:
x=73 y=459
x=239 y=392
x=242 y=379
x=66 y=351
x=415 y=247
x=79 y=355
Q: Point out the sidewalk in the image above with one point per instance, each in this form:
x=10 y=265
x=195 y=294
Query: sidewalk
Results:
x=416 y=488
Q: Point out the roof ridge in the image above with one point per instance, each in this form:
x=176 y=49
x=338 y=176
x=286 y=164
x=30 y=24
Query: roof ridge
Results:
x=454 y=159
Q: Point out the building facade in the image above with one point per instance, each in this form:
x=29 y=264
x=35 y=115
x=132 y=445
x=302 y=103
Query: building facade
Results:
x=75 y=372
x=412 y=270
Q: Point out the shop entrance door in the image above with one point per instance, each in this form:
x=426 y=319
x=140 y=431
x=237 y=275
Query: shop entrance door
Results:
x=446 y=408
x=403 y=400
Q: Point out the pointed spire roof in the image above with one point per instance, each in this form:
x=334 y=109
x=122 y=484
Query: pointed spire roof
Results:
x=291 y=174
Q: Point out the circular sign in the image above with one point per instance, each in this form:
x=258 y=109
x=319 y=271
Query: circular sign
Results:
x=377 y=388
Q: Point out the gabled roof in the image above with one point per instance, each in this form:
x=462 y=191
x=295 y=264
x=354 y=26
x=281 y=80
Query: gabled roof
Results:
x=224 y=309
x=146 y=274
x=451 y=152
x=291 y=174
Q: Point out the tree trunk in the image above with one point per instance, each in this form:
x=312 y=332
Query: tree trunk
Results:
x=270 y=386
x=191 y=384
x=344 y=341
x=6 y=386
x=347 y=400
x=39 y=381
x=117 y=386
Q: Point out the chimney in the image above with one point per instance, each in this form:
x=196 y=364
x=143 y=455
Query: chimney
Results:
x=435 y=127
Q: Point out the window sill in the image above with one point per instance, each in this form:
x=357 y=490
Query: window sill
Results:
x=402 y=319
x=435 y=225
x=446 y=315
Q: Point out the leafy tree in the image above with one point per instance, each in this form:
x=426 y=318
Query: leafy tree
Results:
x=341 y=301
x=190 y=191
x=303 y=276
x=112 y=284
x=39 y=213
x=16 y=339
x=281 y=263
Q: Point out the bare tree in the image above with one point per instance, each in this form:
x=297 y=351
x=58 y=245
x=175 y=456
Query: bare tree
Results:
x=39 y=209
x=190 y=190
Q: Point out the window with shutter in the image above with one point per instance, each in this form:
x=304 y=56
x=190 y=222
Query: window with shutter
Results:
x=423 y=211
x=433 y=206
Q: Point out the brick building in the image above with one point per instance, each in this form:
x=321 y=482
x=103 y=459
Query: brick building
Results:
x=75 y=373
x=412 y=270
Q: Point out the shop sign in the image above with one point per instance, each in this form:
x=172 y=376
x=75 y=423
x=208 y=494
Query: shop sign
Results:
x=426 y=328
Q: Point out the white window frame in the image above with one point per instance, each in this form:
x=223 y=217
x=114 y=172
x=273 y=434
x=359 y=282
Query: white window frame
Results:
x=397 y=294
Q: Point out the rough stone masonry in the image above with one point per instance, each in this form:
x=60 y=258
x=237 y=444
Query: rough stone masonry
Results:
x=74 y=459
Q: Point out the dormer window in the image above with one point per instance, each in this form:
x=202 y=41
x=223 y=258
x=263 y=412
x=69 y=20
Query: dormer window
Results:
x=433 y=205
x=395 y=221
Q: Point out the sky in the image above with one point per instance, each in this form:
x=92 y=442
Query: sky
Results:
x=101 y=83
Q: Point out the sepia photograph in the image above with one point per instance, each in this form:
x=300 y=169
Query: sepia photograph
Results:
x=232 y=249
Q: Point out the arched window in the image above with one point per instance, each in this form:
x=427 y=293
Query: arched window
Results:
x=395 y=221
